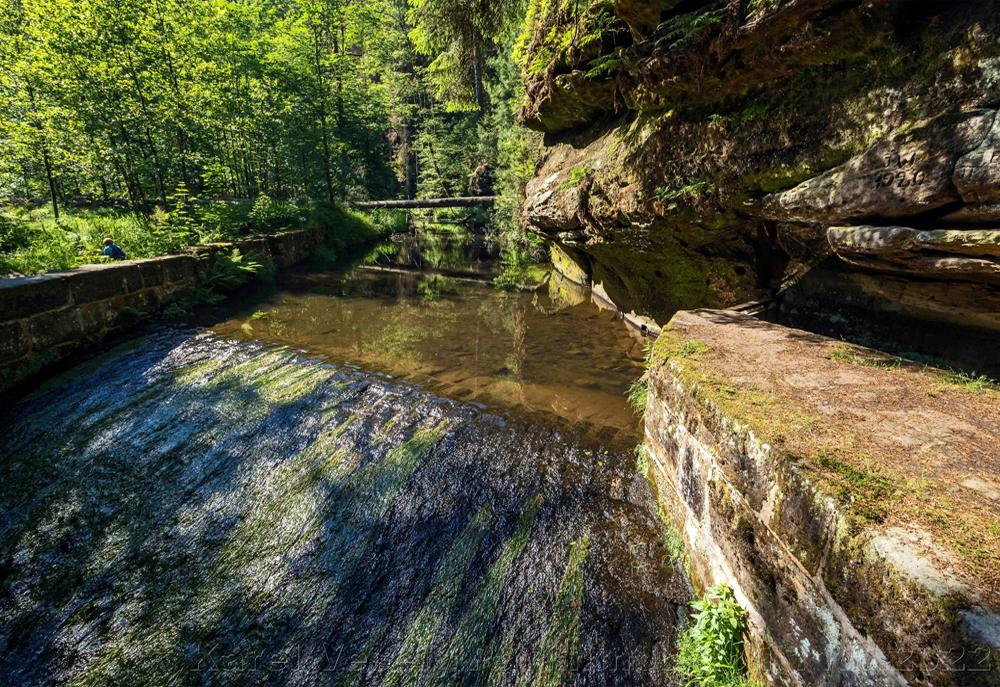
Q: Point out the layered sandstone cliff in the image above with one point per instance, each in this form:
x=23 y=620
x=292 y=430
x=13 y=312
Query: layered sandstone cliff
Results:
x=707 y=153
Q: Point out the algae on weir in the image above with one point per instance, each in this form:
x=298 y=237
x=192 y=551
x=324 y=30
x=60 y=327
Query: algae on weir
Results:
x=197 y=510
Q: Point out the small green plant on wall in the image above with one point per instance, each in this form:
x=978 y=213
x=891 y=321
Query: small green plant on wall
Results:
x=710 y=649
x=638 y=391
x=638 y=394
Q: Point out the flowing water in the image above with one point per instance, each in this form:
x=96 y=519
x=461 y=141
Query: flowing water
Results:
x=211 y=507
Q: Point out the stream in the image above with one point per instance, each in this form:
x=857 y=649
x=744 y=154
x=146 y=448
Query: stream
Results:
x=392 y=474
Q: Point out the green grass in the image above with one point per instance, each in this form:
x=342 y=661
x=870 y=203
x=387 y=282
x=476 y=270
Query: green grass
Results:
x=32 y=241
x=866 y=490
x=710 y=649
x=691 y=349
x=970 y=382
x=849 y=354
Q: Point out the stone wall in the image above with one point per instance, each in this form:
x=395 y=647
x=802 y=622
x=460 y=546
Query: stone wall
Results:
x=45 y=318
x=849 y=499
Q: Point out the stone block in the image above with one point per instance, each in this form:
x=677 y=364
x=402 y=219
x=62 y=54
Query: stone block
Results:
x=257 y=244
x=786 y=459
x=179 y=269
x=50 y=328
x=96 y=282
x=96 y=317
x=27 y=296
x=151 y=272
x=291 y=247
x=977 y=173
x=904 y=174
x=13 y=341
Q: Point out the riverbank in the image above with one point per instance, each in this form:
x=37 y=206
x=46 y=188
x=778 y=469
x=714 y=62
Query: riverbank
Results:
x=48 y=318
x=850 y=498
x=33 y=241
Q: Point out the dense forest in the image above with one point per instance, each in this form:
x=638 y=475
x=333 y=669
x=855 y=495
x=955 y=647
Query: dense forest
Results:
x=148 y=106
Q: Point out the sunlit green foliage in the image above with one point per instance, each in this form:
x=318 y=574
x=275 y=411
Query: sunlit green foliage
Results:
x=32 y=241
x=710 y=652
x=460 y=36
x=131 y=99
x=225 y=272
x=638 y=394
x=165 y=108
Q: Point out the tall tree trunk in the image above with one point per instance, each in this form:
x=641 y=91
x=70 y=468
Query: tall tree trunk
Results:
x=46 y=158
x=322 y=117
x=409 y=154
x=175 y=86
x=477 y=77
x=52 y=183
x=139 y=196
x=147 y=119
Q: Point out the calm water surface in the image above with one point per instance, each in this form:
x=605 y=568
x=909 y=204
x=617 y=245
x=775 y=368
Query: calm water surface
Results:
x=550 y=352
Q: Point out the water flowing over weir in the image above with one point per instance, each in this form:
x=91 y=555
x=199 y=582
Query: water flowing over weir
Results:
x=189 y=509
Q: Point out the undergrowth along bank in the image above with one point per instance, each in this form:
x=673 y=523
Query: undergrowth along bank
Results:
x=32 y=241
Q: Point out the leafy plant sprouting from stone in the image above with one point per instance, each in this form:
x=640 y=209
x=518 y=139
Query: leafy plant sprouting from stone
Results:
x=576 y=177
x=671 y=196
x=553 y=28
x=638 y=391
x=224 y=273
x=641 y=459
x=710 y=650
x=683 y=30
x=604 y=66
x=638 y=394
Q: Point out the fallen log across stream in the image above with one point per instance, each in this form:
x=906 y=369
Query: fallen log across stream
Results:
x=460 y=202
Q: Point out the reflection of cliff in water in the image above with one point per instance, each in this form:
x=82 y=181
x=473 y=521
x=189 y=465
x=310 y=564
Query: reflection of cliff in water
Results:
x=192 y=510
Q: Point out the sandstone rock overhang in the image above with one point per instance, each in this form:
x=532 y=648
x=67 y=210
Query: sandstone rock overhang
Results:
x=851 y=499
x=696 y=153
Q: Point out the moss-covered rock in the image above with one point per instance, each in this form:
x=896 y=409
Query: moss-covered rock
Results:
x=739 y=132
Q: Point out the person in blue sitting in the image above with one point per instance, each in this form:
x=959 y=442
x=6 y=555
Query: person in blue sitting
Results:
x=113 y=250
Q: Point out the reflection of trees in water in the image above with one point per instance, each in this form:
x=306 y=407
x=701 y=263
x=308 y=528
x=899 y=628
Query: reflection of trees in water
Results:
x=432 y=287
x=450 y=250
x=513 y=349
x=504 y=312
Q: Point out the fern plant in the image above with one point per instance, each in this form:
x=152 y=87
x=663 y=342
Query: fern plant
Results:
x=224 y=273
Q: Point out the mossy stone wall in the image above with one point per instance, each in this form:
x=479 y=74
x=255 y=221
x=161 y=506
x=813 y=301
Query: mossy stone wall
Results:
x=46 y=318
